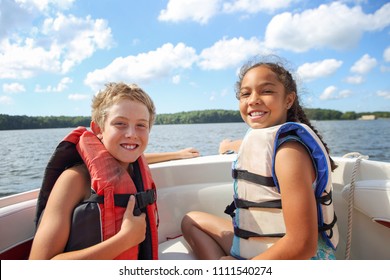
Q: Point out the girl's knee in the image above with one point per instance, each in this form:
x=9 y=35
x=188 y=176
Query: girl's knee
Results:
x=189 y=221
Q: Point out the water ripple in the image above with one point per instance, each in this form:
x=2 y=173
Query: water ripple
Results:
x=24 y=153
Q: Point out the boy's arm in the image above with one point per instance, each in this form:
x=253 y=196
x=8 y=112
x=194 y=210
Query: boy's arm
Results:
x=54 y=228
x=132 y=233
x=53 y=232
x=181 y=154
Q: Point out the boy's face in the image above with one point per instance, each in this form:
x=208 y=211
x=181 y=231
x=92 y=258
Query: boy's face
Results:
x=126 y=131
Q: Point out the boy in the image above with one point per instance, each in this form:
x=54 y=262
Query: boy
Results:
x=90 y=178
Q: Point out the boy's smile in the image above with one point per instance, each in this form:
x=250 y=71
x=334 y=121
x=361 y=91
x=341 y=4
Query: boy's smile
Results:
x=126 y=130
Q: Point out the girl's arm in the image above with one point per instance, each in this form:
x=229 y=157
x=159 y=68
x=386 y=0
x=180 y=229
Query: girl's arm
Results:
x=296 y=174
x=229 y=146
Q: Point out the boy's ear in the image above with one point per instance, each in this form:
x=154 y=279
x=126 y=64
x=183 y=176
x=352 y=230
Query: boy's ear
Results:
x=96 y=130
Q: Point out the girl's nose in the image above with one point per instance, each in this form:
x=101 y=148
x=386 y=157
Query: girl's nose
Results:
x=254 y=98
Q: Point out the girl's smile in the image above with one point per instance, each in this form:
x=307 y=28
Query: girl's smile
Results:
x=263 y=100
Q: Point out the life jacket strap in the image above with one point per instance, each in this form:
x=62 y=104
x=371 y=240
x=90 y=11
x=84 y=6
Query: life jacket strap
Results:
x=326 y=227
x=242 y=203
x=245 y=234
x=142 y=200
x=230 y=209
x=253 y=178
x=326 y=199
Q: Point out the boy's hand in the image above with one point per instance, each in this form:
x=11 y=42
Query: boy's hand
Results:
x=133 y=227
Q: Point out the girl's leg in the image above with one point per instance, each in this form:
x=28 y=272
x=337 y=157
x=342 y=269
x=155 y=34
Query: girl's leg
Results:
x=209 y=236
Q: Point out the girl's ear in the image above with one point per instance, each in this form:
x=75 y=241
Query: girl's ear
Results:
x=96 y=129
x=291 y=99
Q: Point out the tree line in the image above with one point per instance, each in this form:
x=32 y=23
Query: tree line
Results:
x=8 y=122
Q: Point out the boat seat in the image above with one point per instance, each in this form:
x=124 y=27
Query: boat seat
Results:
x=371 y=197
x=175 y=249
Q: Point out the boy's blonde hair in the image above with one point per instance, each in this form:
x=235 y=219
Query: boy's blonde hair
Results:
x=115 y=92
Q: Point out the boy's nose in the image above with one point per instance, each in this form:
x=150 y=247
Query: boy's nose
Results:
x=130 y=132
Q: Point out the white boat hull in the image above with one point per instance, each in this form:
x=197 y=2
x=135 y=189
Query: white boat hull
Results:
x=205 y=184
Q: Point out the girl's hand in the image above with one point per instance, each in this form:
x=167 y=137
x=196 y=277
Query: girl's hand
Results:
x=227 y=258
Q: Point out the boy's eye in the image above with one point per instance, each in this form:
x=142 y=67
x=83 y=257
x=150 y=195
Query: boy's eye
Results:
x=143 y=125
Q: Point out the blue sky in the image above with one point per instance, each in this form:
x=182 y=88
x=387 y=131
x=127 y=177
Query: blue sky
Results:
x=55 y=55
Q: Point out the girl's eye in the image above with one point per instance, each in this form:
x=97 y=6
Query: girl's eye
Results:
x=244 y=94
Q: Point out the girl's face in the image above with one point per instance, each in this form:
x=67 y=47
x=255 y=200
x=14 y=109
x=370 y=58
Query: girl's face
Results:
x=263 y=100
x=126 y=131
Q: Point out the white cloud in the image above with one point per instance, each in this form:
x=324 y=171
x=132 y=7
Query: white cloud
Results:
x=202 y=11
x=228 y=53
x=384 y=69
x=57 y=47
x=386 y=54
x=344 y=93
x=176 y=79
x=196 y=10
x=77 y=97
x=13 y=17
x=255 y=6
x=225 y=92
x=355 y=80
x=23 y=59
x=364 y=65
x=44 y=5
x=144 y=67
x=328 y=93
x=332 y=92
x=79 y=38
x=62 y=85
x=334 y=26
x=20 y=14
x=13 y=88
x=319 y=69
x=384 y=94
x=6 y=100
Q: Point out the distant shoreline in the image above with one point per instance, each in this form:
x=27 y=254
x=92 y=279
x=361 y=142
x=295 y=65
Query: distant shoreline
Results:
x=8 y=122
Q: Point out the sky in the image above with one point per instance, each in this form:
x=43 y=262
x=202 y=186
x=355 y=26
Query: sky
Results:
x=55 y=55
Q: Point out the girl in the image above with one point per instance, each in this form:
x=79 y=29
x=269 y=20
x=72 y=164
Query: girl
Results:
x=282 y=174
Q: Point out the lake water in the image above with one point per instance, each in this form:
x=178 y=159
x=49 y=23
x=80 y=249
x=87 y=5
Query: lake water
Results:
x=24 y=153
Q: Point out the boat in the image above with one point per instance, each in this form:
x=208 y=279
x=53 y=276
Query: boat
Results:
x=361 y=193
x=367 y=118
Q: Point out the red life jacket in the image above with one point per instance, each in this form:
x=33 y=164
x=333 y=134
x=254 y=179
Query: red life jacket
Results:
x=108 y=179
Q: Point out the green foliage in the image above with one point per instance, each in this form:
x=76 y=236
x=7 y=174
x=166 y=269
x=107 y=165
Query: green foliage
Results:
x=322 y=114
x=349 y=116
x=205 y=116
x=24 y=122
